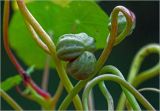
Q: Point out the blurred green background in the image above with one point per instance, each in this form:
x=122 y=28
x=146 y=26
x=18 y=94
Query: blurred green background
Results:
x=146 y=31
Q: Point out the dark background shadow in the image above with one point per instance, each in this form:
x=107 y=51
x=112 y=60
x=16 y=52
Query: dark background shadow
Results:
x=147 y=31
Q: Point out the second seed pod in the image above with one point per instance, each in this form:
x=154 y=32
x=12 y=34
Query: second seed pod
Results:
x=82 y=67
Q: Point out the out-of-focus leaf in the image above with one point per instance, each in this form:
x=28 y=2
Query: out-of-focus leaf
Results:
x=83 y=16
x=14 y=80
x=76 y=17
x=15 y=6
x=62 y=3
x=20 y=37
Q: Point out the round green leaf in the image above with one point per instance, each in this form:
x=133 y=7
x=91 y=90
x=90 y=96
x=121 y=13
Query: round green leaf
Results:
x=76 y=17
x=20 y=37
x=83 y=16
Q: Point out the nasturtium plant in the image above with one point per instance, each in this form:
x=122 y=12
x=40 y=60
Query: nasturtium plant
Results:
x=57 y=20
x=68 y=35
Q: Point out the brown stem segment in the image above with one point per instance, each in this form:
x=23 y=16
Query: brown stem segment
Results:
x=26 y=78
x=45 y=78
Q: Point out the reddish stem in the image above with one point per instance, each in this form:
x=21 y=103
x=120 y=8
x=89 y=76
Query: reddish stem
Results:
x=26 y=78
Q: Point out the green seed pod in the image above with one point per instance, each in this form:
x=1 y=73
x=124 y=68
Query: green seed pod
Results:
x=121 y=24
x=82 y=67
x=70 y=46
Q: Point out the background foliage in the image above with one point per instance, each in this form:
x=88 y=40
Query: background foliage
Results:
x=147 y=31
x=56 y=20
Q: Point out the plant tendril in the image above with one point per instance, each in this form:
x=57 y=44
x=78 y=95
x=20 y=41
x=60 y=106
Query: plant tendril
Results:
x=118 y=80
x=37 y=39
x=145 y=75
x=107 y=95
x=26 y=78
x=51 y=46
x=149 y=89
x=102 y=59
x=130 y=97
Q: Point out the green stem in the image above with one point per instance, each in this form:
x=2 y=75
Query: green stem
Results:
x=48 y=41
x=10 y=101
x=33 y=22
x=131 y=19
x=67 y=84
x=56 y=96
x=37 y=39
x=145 y=75
x=130 y=97
x=118 y=80
x=91 y=101
x=26 y=78
x=103 y=57
x=107 y=95
x=140 y=56
x=149 y=89
x=145 y=51
x=72 y=94
x=112 y=37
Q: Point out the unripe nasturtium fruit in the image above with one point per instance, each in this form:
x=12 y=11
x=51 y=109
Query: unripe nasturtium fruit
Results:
x=70 y=46
x=82 y=67
x=121 y=24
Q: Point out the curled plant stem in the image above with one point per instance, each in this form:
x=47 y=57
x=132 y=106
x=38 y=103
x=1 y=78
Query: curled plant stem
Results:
x=107 y=95
x=26 y=78
x=72 y=94
x=112 y=37
x=128 y=106
x=45 y=77
x=37 y=39
x=118 y=80
x=5 y=39
x=130 y=97
x=91 y=101
x=33 y=22
x=49 y=43
x=10 y=101
x=103 y=57
x=140 y=56
x=145 y=75
x=131 y=19
x=149 y=89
